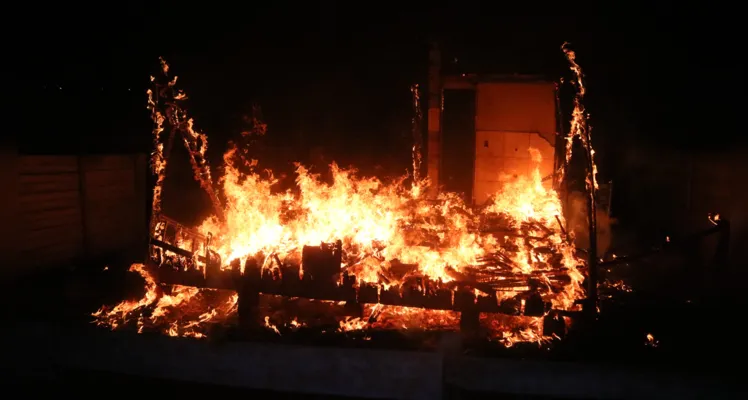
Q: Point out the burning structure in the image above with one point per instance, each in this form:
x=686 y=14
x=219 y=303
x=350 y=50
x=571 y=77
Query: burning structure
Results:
x=489 y=123
x=490 y=252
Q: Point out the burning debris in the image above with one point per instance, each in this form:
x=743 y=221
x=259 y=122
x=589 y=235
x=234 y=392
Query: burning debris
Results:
x=392 y=257
x=173 y=310
x=651 y=341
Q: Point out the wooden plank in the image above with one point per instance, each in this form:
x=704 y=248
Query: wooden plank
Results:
x=103 y=245
x=36 y=202
x=111 y=228
x=50 y=255
x=50 y=234
x=116 y=220
x=57 y=236
x=102 y=241
x=123 y=207
x=120 y=223
x=109 y=194
x=47 y=164
x=108 y=162
x=116 y=177
x=51 y=218
x=47 y=183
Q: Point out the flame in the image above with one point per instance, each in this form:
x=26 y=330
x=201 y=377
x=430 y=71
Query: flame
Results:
x=155 y=308
x=158 y=161
x=380 y=224
x=392 y=317
x=579 y=128
x=416 y=150
x=651 y=341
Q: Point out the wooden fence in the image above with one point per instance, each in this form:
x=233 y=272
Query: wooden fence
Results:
x=58 y=210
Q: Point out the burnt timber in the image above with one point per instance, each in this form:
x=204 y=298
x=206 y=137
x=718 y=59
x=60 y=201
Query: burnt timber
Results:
x=286 y=281
x=324 y=279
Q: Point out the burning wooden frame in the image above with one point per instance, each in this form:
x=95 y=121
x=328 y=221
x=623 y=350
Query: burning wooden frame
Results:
x=513 y=257
x=491 y=288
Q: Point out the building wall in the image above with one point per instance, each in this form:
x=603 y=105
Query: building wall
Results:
x=511 y=118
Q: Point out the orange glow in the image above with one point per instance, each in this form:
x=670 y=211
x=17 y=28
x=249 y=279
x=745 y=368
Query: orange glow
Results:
x=517 y=237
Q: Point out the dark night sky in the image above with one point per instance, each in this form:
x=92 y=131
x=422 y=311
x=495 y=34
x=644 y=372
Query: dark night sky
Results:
x=333 y=74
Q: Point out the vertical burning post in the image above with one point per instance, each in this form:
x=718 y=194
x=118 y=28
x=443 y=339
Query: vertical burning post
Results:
x=434 y=120
x=417 y=139
x=163 y=103
x=580 y=129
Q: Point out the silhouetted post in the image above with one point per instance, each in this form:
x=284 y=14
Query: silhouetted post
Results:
x=248 y=293
x=722 y=256
x=417 y=133
x=592 y=277
x=9 y=176
x=433 y=155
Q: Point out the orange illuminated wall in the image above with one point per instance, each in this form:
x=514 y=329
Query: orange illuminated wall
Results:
x=512 y=117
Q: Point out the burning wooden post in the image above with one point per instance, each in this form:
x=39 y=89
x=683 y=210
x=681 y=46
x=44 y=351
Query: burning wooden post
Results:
x=592 y=277
x=417 y=134
x=164 y=104
x=722 y=257
x=321 y=265
x=434 y=120
x=581 y=130
x=248 y=292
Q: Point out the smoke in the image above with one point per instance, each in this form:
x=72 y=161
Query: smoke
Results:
x=577 y=223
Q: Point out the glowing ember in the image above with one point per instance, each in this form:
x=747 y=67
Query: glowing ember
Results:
x=651 y=341
x=516 y=244
x=181 y=313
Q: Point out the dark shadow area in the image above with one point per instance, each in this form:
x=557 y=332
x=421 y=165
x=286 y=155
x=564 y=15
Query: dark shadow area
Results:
x=74 y=382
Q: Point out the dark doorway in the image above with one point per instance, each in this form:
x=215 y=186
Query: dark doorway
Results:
x=458 y=142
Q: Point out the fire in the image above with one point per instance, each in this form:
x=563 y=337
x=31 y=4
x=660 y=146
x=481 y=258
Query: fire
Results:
x=579 y=128
x=651 y=341
x=380 y=222
x=516 y=241
x=159 y=311
x=375 y=221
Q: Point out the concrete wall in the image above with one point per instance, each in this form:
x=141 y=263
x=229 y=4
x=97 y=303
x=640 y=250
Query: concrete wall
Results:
x=61 y=209
x=511 y=118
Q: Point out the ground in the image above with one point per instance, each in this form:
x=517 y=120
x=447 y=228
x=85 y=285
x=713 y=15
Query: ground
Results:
x=696 y=336
x=77 y=381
